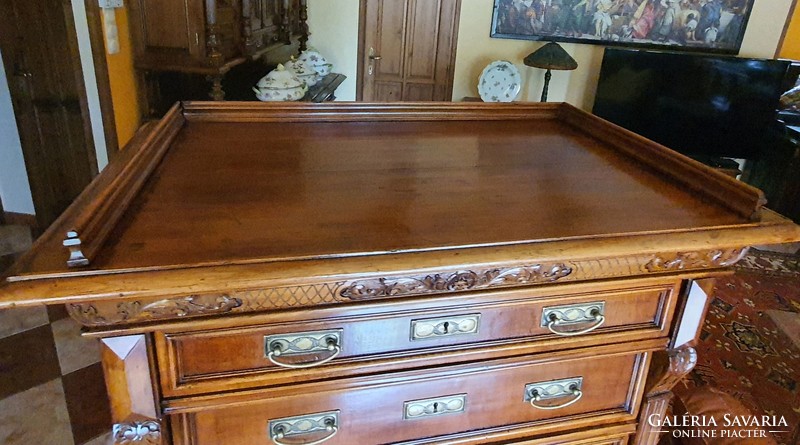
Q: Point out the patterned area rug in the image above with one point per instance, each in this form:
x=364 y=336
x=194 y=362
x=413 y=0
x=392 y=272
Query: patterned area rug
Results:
x=743 y=351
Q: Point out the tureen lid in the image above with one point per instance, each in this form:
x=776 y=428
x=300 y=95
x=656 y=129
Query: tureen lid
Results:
x=313 y=58
x=280 y=78
x=301 y=68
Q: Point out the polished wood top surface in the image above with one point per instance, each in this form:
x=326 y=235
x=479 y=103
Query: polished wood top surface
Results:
x=278 y=193
x=239 y=191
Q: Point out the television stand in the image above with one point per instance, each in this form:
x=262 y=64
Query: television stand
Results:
x=777 y=173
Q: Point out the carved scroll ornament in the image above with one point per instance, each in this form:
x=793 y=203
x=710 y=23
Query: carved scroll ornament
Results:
x=454 y=282
x=696 y=260
x=137 y=433
x=195 y=305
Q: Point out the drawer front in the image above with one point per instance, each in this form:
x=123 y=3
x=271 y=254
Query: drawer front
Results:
x=604 y=435
x=600 y=438
x=414 y=405
x=279 y=353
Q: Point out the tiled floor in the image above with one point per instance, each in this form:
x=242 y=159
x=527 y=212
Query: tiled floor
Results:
x=52 y=390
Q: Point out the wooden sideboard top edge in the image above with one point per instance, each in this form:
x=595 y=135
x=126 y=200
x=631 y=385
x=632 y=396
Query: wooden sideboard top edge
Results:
x=96 y=214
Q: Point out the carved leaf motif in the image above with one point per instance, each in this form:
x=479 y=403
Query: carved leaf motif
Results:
x=696 y=260
x=194 y=305
x=455 y=281
x=137 y=433
x=182 y=307
x=85 y=313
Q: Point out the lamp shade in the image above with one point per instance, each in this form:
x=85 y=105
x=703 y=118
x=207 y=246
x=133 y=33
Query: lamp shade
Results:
x=552 y=57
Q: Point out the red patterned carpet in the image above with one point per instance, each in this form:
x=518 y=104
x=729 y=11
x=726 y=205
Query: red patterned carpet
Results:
x=750 y=343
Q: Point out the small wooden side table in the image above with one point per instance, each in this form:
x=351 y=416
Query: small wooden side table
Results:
x=325 y=89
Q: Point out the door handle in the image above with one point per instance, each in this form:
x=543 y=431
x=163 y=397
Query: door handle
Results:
x=372 y=58
x=372 y=55
x=21 y=72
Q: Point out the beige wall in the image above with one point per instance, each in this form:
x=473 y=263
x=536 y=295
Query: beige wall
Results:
x=476 y=49
x=334 y=33
x=334 y=27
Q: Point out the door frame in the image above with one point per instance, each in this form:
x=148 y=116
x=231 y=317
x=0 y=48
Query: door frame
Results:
x=362 y=34
x=97 y=42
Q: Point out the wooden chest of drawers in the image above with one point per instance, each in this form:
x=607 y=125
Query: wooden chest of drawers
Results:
x=441 y=402
x=370 y=274
x=381 y=337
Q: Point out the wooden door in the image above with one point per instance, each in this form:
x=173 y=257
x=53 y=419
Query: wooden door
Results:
x=40 y=55
x=408 y=49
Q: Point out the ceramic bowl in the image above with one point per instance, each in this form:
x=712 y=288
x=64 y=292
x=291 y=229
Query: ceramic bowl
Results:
x=316 y=61
x=280 y=85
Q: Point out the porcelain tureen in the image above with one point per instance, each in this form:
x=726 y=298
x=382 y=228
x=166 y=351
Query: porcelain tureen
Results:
x=280 y=85
x=315 y=60
x=303 y=71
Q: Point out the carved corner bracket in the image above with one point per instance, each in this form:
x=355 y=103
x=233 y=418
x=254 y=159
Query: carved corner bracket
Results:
x=667 y=369
x=678 y=363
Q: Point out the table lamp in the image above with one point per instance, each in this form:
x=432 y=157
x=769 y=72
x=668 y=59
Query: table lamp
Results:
x=550 y=57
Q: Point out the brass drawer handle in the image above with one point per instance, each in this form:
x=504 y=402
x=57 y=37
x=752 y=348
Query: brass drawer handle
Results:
x=331 y=428
x=555 y=389
x=303 y=344
x=575 y=392
x=302 y=425
x=554 y=317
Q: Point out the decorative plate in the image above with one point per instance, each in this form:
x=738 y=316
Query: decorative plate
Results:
x=500 y=82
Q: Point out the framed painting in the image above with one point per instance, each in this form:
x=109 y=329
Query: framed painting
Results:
x=715 y=26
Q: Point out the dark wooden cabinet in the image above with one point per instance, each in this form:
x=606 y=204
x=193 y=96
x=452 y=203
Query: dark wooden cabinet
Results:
x=271 y=22
x=168 y=33
x=209 y=38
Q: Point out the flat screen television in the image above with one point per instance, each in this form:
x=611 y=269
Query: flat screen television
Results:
x=704 y=106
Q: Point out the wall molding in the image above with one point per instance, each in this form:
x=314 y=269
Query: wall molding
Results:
x=21 y=219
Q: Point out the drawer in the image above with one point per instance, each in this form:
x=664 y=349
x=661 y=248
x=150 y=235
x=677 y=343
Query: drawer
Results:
x=615 y=435
x=604 y=435
x=547 y=393
x=278 y=353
